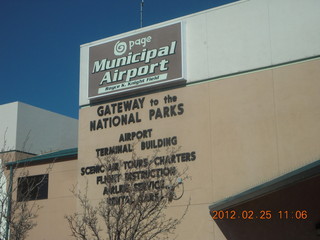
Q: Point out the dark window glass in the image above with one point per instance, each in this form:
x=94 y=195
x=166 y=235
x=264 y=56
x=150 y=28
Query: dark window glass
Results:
x=32 y=188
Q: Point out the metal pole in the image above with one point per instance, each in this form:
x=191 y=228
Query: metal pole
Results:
x=141 y=13
x=9 y=204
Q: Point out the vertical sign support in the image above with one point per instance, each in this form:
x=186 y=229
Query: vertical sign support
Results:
x=141 y=13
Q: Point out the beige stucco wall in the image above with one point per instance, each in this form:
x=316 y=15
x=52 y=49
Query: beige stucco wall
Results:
x=245 y=129
x=12 y=156
x=51 y=224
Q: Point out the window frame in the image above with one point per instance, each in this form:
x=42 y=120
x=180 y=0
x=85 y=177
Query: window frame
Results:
x=31 y=188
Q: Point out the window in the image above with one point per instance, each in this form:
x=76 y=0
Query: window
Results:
x=32 y=188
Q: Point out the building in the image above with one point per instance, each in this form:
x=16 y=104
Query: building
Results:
x=31 y=130
x=53 y=175
x=236 y=89
x=34 y=144
x=244 y=102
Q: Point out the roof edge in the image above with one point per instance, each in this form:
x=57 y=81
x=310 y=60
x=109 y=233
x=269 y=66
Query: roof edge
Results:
x=44 y=157
x=276 y=184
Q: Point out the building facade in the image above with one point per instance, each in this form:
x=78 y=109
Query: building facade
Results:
x=38 y=145
x=244 y=110
x=234 y=91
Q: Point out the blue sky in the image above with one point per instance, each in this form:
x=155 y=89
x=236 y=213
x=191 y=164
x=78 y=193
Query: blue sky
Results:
x=40 y=42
